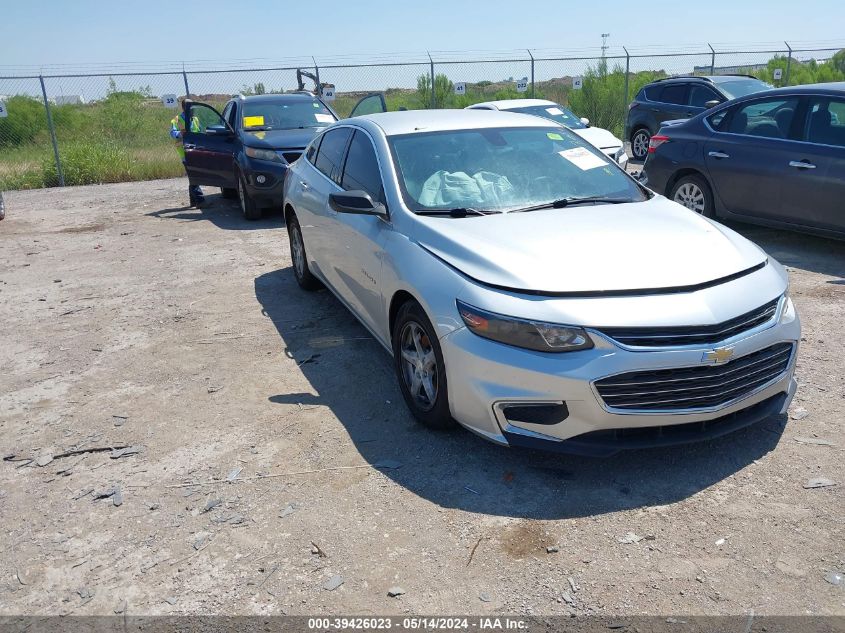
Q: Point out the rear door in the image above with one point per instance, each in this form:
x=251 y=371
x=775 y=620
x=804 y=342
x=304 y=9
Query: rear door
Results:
x=371 y=104
x=209 y=143
x=748 y=155
x=670 y=101
x=815 y=194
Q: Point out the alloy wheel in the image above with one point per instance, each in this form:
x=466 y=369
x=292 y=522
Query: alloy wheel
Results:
x=297 y=250
x=639 y=146
x=419 y=365
x=691 y=196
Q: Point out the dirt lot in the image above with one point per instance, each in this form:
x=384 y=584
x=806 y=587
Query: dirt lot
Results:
x=129 y=320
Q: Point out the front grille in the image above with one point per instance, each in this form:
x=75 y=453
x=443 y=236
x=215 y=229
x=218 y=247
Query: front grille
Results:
x=291 y=155
x=694 y=334
x=700 y=387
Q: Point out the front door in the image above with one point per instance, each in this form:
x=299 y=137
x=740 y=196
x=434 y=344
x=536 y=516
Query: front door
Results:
x=747 y=157
x=209 y=147
x=358 y=240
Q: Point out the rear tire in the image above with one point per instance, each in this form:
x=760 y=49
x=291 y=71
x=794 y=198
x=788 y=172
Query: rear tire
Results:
x=639 y=143
x=418 y=361
x=303 y=275
x=248 y=208
x=694 y=193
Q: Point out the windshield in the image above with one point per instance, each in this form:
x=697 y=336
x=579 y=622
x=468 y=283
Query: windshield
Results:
x=286 y=115
x=741 y=87
x=554 y=112
x=503 y=169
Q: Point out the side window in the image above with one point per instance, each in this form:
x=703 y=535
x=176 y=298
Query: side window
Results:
x=699 y=95
x=674 y=93
x=717 y=121
x=233 y=116
x=204 y=116
x=227 y=111
x=311 y=150
x=330 y=154
x=768 y=118
x=826 y=121
x=361 y=171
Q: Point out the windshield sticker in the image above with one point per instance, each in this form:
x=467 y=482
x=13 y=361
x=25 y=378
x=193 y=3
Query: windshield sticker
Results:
x=323 y=118
x=315 y=104
x=554 y=110
x=554 y=136
x=260 y=135
x=253 y=121
x=582 y=158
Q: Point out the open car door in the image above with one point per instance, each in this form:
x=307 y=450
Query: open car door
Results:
x=209 y=146
x=371 y=104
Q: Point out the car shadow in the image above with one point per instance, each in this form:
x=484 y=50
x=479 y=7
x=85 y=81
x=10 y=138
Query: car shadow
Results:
x=797 y=250
x=352 y=375
x=223 y=212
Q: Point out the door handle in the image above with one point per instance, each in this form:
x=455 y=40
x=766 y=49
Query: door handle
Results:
x=190 y=146
x=303 y=184
x=718 y=155
x=801 y=164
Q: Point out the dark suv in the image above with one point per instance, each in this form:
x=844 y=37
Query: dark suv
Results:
x=680 y=98
x=246 y=149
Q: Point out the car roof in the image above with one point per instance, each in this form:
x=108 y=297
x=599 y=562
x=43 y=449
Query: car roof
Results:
x=833 y=87
x=409 y=121
x=508 y=104
x=275 y=98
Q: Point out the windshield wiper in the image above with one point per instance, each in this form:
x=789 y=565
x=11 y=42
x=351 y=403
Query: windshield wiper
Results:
x=457 y=212
x=571 y=201
x=257 y=128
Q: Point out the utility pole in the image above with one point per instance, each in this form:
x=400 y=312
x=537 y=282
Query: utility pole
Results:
x=604 y=45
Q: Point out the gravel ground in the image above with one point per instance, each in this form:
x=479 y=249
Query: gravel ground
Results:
x=130 y=320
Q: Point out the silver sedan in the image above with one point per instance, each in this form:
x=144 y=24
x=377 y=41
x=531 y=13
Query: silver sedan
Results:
x=531 y=291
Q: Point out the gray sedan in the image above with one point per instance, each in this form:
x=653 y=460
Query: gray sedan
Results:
x=531 y=291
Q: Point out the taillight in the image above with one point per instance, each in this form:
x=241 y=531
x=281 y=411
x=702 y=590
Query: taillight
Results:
x=656 y=141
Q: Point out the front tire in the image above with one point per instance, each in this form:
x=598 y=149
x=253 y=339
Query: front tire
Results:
x=695 y=194
x=248 y=207
x=639 y=144
x=418 y=361
x=303 y=275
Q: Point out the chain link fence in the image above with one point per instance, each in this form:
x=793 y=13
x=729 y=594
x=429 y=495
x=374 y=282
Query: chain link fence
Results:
x=69 y=129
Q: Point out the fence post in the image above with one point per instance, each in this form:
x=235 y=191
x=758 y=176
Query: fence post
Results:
x=532 y=72
x=627 y=75
x=52 y=133
x=185 y=79
x=433 y=101
x=712 y=60
x=788 y=64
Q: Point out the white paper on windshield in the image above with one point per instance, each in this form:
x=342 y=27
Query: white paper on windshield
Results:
x=554 y=110
x=323 y=118
x=583 y=158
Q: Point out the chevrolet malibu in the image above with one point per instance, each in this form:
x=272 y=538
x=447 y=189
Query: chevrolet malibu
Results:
x=531 y=291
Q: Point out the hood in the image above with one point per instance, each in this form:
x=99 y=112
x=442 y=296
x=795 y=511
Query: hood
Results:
x=654 y=245
x=599 y=137
x=280 y=139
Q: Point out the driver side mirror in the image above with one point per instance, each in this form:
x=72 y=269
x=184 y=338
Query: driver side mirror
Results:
x=711 y=104
x=585 y=121
x=356 y=202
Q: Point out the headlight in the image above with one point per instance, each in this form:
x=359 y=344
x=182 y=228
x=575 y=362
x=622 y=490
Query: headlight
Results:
x=536 y=335
x=263 y=154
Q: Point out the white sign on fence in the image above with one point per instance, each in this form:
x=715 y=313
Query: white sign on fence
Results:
x=577 y=83
x=522 y=85
x=460 y=88
x=778 y=73
x=170 y=101
x=3 y=111
x=328 y=92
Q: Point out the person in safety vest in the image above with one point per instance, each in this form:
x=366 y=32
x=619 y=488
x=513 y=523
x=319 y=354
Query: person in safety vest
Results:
x=177 y=130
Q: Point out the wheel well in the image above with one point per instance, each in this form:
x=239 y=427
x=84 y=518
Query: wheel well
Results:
x=680 y=174
x=398 y=300
x=289 y=213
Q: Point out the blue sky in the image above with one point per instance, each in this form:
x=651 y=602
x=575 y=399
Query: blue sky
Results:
x=50 y=32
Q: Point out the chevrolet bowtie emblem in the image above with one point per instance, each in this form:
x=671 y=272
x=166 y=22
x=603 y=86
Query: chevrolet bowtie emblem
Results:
x=719 y=355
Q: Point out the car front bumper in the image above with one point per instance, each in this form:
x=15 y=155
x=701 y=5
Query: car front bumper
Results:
x=484 y=377
x=268 y=193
